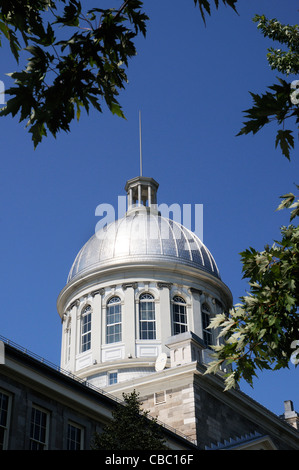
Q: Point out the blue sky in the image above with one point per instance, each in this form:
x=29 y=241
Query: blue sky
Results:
x=191 y=84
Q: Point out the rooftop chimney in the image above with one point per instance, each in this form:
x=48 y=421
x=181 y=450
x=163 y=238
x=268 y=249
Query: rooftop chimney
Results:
x=290 y=415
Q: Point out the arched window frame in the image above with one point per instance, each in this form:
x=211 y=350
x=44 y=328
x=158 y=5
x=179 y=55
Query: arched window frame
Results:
x=179 y=315
x=85 y=328
x=113 y=320
x=147 y=317
x=206 y=318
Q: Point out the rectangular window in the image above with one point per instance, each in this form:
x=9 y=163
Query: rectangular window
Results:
x=74 y=437
x=38 y=429
x=179 y=319
x=4 y=419
x=160 y=397
x=86 y=331
x=207 y=334
x=113 y=332
x=112 y=378
x=147 y=320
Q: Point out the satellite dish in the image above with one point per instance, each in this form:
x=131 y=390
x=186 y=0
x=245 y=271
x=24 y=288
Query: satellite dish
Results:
x=161 y=362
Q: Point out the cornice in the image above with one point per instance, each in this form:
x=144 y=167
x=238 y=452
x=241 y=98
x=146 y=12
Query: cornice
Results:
x=93 y=278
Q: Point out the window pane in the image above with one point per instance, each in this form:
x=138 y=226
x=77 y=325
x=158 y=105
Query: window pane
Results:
x=113 y=321
x=38 y=427
x=179 y=315
x=207 y=334
x=4 y=400
x=112 y=378
x=3 y=409
x=86 y=329
x=2 y=433
x=147 y=311
x=146 y=296
x=148 y=330
x=147 y=323
x=74 y=437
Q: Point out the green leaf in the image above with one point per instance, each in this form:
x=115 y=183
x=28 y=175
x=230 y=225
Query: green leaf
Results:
x=204 y=6
x=230 y=381
x=285 y=140
x=38 y=131
x=116 y=109
x=288 y=200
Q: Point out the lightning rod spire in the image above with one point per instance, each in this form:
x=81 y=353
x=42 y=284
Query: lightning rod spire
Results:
x=140 y=143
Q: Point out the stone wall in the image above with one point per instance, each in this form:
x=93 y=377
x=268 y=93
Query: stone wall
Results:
x=174 y=407
x=202 y=416
x=217 y=421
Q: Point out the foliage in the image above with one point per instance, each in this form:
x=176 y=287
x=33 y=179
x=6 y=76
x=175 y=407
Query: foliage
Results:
x=130 y=429
x=263 y=330
x=281 y=102
x=205 y=6
x=260 y=332
x=63 y=75
x=75 y=59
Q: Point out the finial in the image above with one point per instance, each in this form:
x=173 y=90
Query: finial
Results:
x=140 y=143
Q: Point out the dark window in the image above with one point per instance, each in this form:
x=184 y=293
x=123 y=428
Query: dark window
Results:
x=74 y=437
x=4 y=401
x=38 y=429
x=207 y=333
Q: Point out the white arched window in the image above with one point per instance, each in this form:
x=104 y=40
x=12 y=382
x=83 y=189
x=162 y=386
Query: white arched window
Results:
x=206 y=318
x=113 y=320
x=147 y=318
x=86 y=328
x=179 y=315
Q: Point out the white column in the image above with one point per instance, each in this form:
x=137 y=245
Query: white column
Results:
x=139 y=194
x=195 y=318
x=70 y=323
x=128 y=320
x=149 y=196
x=64 y=341
x=164 y=317
x=96 y=327
x=73 y=336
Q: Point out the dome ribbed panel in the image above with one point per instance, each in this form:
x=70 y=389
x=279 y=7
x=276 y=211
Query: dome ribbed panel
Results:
x=143 y=237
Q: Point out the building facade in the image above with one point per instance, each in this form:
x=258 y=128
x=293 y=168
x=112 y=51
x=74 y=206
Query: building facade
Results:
x=43 y=407
x=135 y=313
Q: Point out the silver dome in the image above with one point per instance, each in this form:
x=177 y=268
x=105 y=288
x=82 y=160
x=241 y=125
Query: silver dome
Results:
x=142 y=237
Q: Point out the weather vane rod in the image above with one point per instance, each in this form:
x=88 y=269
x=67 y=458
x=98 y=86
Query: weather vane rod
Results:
x=140 y=143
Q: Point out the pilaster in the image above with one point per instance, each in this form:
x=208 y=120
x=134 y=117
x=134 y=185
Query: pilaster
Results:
x=96 y=330
x=165 y=313
x=128 y=320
